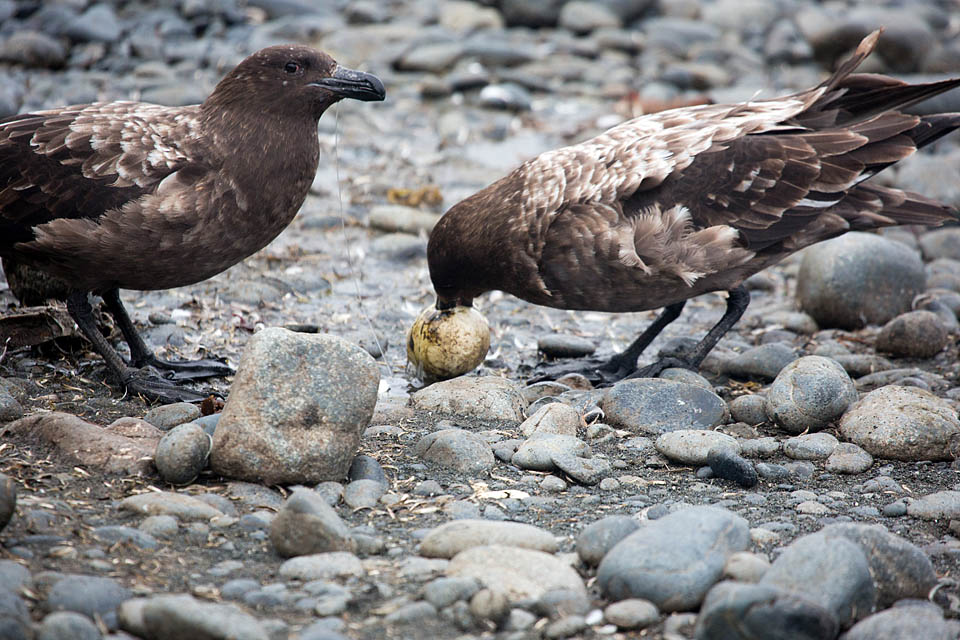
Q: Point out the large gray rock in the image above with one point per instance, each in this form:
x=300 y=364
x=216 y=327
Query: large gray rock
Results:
x=858 y=279
x=297 y=407
x=655 y=406
x=306 y=524
x=915 y=334
x=673 y=561
x=809 y=394
x=829 y=570
x=902 y=423
x=456 y=449
x=912 y=619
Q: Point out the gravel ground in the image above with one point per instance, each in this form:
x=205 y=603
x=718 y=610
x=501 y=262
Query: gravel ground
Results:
x=472 y=90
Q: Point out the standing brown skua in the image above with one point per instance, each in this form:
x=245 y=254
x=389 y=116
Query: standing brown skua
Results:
x=668 y=206
x=128 y=195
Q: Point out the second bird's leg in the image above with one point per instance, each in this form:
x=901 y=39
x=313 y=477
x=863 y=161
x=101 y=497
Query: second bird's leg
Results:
x=136 y=381
x=141 y=355
x=620 y=365
x=737 y=302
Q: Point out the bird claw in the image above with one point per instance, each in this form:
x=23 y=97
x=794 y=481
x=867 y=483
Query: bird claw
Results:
x=598 y=372
x=160 y=389
x=189 y=370
x=654 y=369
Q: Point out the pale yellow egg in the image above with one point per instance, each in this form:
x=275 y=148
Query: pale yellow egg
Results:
x=448 y=343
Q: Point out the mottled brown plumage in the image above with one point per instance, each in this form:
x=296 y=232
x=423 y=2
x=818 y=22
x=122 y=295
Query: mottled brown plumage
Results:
x=127 y=195
x=671 y=205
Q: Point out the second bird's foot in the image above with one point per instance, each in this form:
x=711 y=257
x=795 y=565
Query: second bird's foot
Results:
x=146 y=383
x=187 y=370
x=654 y=369
x=598 y=371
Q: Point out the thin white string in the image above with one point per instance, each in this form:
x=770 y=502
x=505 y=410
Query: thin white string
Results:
x=354 y=275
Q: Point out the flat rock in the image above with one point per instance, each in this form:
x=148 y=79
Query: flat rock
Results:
x=691 y=446
x=179 y=505
x=457 y=449
x=89 y=595
x=322 y=566
x=67 y=625
x=587 y=471
x=562 y=345
x=655 y=406
x=523 y=574
x=306 y=524
x=809 y=394
x=401 y=218
x=673 y=561
x=296 y=409
x=485 y=397
x=829 y=570
x=858 y=279
x=173 y=617
x=451 y=538
x=632 y=613
x=168 y=416
x=902 y=423
x=79 y=442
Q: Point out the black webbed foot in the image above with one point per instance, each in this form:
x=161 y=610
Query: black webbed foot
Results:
x=187 y=370
x=146 y=383
x=598 y=371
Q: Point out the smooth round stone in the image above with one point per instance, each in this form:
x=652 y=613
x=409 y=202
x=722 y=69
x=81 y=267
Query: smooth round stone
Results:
x=520 y=573
x=632 y=613
x=940 y=505
x=728 y=465
x=507 y=95
x=810 y=446
x=456 y=449
x=183 y=616
x=553 y=484
x=916 y=334
x=167 y=416
x=366 y=467
x=427 y=488
x=751 y=409
x=858 y=279
x=692 y=446
x=809 y=394
x=941 y=243
x=848 y=458
x=902 y=423
x=330 y=491
x=182 y=453
x=763 y=362
x=401 y=247
x=68 y=625
x=10 y=407
x=89 y=595
x=599 y=537
x=587 y=471
x=678 y=374
x=655 y=406
x=546 y=389
x=306 y=524
x=8 y=499
x=561 y=345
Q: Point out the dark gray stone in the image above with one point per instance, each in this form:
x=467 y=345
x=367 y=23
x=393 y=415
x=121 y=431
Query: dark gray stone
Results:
x=8 y=499
x=809 y=394
x=89 y=595
x=763 y=362
x=457 y=449
x=598 y=538
x=168 y=416
x=443 y=592
x=654 y=406
x=173 y=617
x=829 y=570
x=365 y=467
x=810 y=446
x=915 y=334
x=67 y=625
x=363 y=493
x=112 y=534
x=737 y=611
x=727 y=464
x=563 y=345
x=673 y=561
x=912 y=619
x=751 y=409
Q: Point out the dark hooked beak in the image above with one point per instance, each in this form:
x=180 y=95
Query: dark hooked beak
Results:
x=358 y=85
